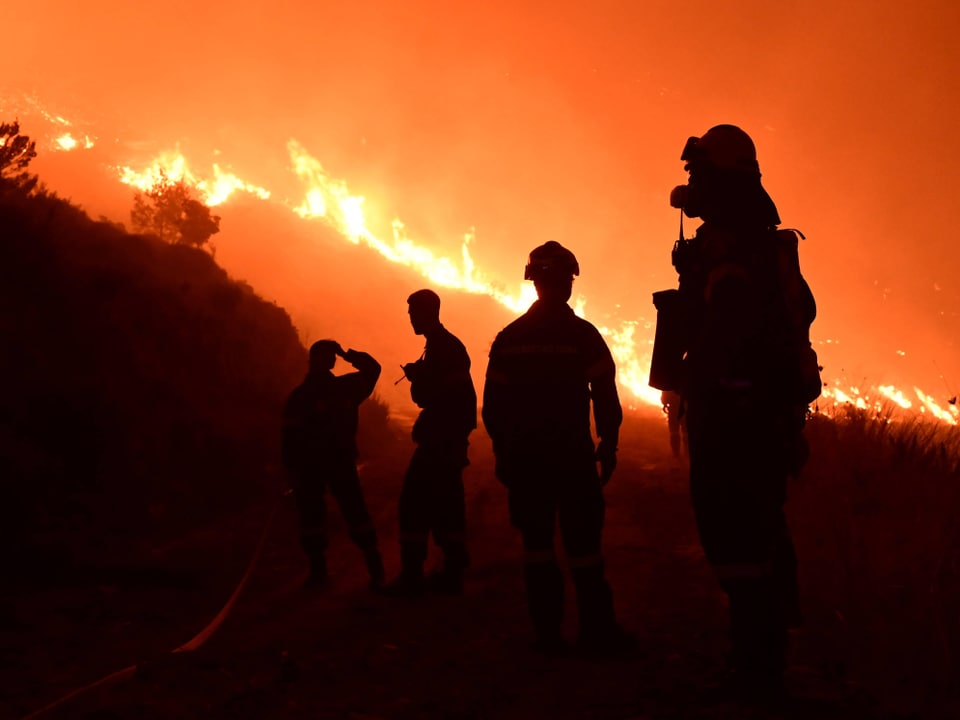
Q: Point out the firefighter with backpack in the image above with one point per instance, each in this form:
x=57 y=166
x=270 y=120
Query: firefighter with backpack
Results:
x=733 y=339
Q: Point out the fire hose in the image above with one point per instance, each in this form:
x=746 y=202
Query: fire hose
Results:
x=195 y=642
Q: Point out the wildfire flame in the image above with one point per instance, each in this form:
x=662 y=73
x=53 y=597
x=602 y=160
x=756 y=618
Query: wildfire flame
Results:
x=174 y=166
x=925 y=404
x=330 y=199
x=67 y=142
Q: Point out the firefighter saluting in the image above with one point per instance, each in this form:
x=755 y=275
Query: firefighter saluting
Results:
x=741 y=315
x=543 y=372
x=319 y=439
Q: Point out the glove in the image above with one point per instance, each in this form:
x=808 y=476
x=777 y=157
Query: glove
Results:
x=606 y=455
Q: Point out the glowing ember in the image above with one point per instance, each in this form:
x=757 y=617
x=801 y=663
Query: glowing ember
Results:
x=843 y=398
x=890 y=394
x=68 y=142
x=897 y=396
x=949 y=415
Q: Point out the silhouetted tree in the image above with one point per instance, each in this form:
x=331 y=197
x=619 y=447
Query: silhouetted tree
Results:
x=16 y=152
x=169 y=211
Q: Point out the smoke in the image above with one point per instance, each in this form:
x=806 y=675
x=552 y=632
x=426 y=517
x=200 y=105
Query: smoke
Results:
x=529 y=122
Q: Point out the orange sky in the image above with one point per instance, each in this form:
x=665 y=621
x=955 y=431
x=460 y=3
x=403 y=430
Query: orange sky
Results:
x=536 y=120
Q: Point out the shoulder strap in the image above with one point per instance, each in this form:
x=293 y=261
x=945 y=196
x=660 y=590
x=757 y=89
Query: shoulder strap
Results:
x=796 y=292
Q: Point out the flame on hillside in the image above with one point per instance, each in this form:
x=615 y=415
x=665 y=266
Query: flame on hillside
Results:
x=68 y=142
x=64 y=135
x=886 y=398
x=329 y=199
x=174 y=166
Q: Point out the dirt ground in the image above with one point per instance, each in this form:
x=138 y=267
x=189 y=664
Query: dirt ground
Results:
x=346 y=653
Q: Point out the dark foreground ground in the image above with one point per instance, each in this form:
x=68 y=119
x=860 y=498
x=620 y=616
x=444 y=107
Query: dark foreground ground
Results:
x=348 y=654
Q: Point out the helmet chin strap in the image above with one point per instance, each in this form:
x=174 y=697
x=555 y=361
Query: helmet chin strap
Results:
x=681 y=225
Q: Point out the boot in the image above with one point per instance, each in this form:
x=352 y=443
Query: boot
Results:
x=744 y=687
x=448 y=581
x=758 y=639
x=375 y=568
x=613 y=641
x=544 y=586
x=600 y=634
x=550 y=643
x=318 y=577
x=409 y=583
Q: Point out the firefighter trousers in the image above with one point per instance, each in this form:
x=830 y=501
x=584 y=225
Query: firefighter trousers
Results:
x=341 y=479
x=738 y=485
x=541 y=496
x=432 y=501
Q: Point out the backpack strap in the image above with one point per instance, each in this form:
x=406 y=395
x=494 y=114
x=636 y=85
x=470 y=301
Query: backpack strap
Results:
x=799 y=300
x=801 y=310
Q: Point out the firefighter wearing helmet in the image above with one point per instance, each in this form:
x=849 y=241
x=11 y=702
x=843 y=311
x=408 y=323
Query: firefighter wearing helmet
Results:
x=544 y=370
x=745 y=310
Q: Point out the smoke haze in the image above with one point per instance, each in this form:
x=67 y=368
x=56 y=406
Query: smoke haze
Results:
x=529 y=121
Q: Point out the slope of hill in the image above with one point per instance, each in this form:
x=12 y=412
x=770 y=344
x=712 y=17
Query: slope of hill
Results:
x=140 y=386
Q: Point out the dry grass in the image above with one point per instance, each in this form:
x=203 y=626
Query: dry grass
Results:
x=876 y=514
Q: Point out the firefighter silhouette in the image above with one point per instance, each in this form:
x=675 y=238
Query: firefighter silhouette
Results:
x=432 y=498
x=747 y=377
x=320 y=453
x=545 y=368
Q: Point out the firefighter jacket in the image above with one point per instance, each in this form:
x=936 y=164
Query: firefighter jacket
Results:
x=320 y=416
x=545 y=368
x=441 y=386
x=750 y=313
